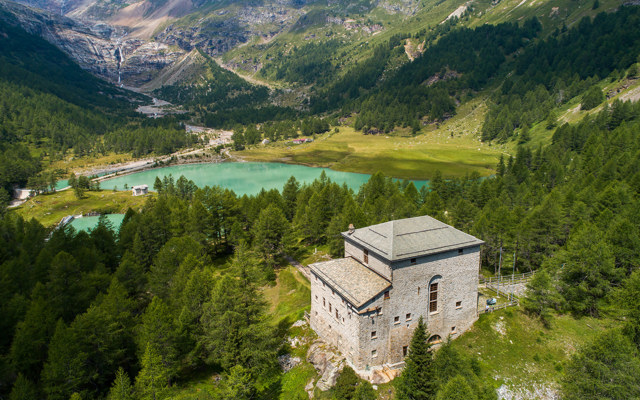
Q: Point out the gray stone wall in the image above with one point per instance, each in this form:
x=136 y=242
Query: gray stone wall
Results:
x=457 y=276
x=376 y=262
x=341 y=332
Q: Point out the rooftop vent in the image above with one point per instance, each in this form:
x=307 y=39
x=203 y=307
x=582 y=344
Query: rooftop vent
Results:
x=351 y=229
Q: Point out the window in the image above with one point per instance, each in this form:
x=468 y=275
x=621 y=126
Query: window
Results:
x=413 y=261
x=405 y=349
x=374 y=353
x=324 y=303
x=435 y=339
x=365 y=253
x=337 y=315
x=418 y=290
x=386 y=295
x=453 y=329
x=396 y=320
x=330 y=307
x=373 y=335
x=460 y=251
x=316 y=297
x=408 y=316
x=316 y=313
x=433 y=297
x=458 y=304
x=329 y=327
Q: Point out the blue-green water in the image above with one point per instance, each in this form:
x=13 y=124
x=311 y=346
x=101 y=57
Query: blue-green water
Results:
x=62 y=184
x=87 y=223
x=242 y=178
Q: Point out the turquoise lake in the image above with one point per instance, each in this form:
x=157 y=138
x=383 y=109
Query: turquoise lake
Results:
x=241 y=177
x=87 y=223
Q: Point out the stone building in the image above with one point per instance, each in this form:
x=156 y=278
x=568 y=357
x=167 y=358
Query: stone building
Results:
x=368 y=303
x=140 y=190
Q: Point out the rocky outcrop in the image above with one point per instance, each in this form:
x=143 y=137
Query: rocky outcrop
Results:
x=327 y=361
x=101 y=49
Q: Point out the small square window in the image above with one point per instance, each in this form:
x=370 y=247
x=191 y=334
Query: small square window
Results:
x=329 y=327
x=413 y=261
x=316 y=297
x=396 y=320
x=458 y=304
x=373 y=335
x=374 y=353
x=316 y=313
x=408 y=316
x=460 y=251
x=386 y=295
x=332 y=292
x=453 y=329
x=405 y=350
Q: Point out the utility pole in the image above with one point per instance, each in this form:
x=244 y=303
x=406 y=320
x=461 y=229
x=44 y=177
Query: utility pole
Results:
x=499 y=268
x=513 y=275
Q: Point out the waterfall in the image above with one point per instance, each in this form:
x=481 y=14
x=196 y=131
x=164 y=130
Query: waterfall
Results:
x=119 y=59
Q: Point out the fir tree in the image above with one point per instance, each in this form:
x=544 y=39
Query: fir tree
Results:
x=417 y=381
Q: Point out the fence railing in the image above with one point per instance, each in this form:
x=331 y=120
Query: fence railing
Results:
x=514 y=302
x=506 y=279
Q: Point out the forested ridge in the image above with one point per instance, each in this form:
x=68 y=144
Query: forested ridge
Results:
x=161 y=299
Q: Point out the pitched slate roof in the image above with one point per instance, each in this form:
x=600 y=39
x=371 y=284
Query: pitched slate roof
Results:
x=352 y=280
x=411 y=237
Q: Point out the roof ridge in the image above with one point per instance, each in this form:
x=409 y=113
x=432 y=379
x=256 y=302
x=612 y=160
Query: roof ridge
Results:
x=393 y=238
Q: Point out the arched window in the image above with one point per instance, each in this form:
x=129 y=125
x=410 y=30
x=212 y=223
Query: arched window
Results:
x=435 y=339
x=434 y=287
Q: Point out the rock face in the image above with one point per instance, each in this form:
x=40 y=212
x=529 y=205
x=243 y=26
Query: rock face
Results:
x=327 y=361
x=101 y=49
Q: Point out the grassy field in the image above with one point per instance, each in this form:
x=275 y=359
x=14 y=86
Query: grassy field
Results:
x=80 y=164
x=51 y=208
x=289 y=297
x=453 y=148
x=518 y=352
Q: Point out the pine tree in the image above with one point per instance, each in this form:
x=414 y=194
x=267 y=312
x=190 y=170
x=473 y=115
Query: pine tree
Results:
x=23 y=389
x=541 y=297
x=121 y=388
x=364 y=391
x=153 y=378
x=346 y=384
x=417 y=381
x=237 y=385
x=271 y=230
x=456 y=388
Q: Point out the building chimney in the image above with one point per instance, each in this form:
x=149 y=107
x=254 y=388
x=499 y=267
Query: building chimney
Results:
x=351 y=229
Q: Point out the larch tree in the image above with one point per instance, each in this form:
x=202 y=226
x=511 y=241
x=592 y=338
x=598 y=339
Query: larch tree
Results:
x=121 y=389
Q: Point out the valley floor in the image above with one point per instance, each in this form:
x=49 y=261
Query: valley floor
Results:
x=453 y=148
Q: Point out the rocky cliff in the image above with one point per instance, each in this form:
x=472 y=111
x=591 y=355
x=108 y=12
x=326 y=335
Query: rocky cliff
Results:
x=104 y=50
